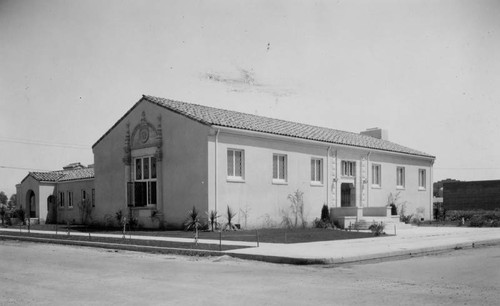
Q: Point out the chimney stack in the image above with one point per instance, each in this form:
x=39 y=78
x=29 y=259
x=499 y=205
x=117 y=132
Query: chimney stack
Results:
x=376 y=133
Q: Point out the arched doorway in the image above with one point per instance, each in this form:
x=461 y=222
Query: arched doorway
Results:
x=51 y=210
x=348 y=195
x=31 y=203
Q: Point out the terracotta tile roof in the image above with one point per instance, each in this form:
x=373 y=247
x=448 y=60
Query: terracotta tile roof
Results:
x=63 y=175
x=226 y=118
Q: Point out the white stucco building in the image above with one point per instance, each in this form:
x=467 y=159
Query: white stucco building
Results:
x=164 y=156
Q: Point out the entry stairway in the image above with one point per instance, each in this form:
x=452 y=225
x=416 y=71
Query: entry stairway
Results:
x=389 y=222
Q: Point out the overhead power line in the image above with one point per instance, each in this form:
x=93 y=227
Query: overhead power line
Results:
x=467 y=168
x=21 y=168
x=46 y=144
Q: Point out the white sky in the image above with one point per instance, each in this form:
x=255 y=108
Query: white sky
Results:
x=427 y=71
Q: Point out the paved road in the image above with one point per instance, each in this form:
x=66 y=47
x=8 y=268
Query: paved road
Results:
x=44 y=274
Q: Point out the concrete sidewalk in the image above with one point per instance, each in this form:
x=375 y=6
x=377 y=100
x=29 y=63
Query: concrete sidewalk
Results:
x=137 y=237
x=412 y=241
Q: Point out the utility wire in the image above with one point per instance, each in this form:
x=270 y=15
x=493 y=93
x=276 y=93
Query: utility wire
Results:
x=21 y=168
x=47 y=144
x=466 y=168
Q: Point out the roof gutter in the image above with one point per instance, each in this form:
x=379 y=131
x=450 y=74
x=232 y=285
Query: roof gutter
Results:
x=315 y=142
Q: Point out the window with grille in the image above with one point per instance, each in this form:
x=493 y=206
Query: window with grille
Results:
x=421 y=179
x=235 y=162
x=348 y=168
x=376 y=175
x=145 y=181
x=317 y=170
x=279 y=167
x=400 y=177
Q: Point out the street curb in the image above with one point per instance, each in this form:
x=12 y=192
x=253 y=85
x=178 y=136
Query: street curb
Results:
x=119 y=246
x=266 y=258
x=368 y=257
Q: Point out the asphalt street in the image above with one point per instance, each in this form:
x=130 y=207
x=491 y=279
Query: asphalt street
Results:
x=46 y=274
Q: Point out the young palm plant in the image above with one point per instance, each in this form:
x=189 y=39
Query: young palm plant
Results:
x=212 y=217
x=229 y=226
x=192 y=222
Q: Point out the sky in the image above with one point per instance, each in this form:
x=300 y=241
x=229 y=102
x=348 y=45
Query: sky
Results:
x=427 y=71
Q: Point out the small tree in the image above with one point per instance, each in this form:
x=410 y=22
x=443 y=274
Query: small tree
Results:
x=193 y=220
x=12 y=201
x=212 y=218
x=230 y=216
x=3 y=198
x=325 y=213
x=297 y=207
x=3 y=212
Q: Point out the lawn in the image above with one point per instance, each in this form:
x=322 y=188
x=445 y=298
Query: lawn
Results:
x=273 y=235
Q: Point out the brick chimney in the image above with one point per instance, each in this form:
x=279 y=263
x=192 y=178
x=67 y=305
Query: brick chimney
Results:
x=376 y=133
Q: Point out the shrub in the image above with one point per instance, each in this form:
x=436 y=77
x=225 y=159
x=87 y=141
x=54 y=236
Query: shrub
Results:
x=319 y=223
x=325 y=213
x=474 y=218
x=377 y=228
x=477 y=221
x=20 y=214
x=458 y=215
x=405 y=218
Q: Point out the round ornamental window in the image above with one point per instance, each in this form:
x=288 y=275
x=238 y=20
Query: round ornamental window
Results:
x=144 y=135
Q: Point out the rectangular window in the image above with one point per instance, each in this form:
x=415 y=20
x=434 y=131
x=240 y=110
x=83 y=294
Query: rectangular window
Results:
x=93 y=197
x=84 y=194
x=376 y=175
x=70 y=199
x=235 y=161
x=400 y=177
x=61 y=199
x=138 y=168
x=144 y=187
x=279 y=167
x=153 y=167
x=421 y=179
x=348 y=168
x=317 y=170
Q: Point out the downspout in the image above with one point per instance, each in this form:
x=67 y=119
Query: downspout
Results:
x=327 y=181
x=336 y=180
x=431 y=204
x=368 y=179
x=216 y=168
